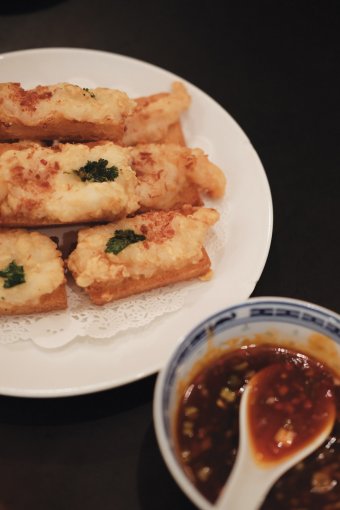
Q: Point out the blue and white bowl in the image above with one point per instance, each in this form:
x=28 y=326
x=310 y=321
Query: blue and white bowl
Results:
x=283 y=317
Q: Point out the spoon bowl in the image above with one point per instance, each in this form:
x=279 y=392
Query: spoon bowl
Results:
x=252 y=476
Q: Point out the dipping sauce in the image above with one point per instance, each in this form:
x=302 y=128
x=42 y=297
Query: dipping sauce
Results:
x=207 y=424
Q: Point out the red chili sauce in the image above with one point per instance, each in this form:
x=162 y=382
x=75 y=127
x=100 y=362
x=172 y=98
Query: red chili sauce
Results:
x=282 y=416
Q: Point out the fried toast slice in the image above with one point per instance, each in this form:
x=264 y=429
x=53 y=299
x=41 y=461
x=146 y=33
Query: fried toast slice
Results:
x=63 y=111
x=66 y=184
x=32 y=278
x=137 y=254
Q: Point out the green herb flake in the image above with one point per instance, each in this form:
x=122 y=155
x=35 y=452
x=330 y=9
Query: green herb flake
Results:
x=13 y=275
x=121 y=240
x=89 y=92
x=97 y=171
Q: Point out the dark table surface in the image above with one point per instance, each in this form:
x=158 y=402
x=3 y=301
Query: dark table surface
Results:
x=275 y=68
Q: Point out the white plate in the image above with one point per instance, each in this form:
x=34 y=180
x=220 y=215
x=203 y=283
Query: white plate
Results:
x=85 y=366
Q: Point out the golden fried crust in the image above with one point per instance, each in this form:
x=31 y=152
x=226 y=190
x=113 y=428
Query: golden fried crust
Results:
x=164 y=176
x=188 y=194
x=101 y=293
x=174 y=135
x=144 y=101
x=56 y=300
x=151 y=121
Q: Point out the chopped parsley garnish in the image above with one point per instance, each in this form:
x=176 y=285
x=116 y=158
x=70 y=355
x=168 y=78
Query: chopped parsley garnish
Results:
x=90 y=92
x=97 y=171
x=121 y=240
x=13 y=274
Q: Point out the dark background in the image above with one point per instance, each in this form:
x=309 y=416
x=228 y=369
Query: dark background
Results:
x=275 y=67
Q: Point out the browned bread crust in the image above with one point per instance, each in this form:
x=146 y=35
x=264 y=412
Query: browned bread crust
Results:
x=104 y=292
x=62 y=129
x=56 y=300
x=23 y=222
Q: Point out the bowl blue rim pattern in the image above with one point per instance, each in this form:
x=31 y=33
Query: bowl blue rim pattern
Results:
x=301 y=317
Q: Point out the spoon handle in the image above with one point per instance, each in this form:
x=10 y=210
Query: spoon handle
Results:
x=249 y=481
x=244 y=489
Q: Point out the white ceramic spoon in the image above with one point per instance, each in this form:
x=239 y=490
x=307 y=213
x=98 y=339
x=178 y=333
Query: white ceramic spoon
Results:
x=250 y=481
